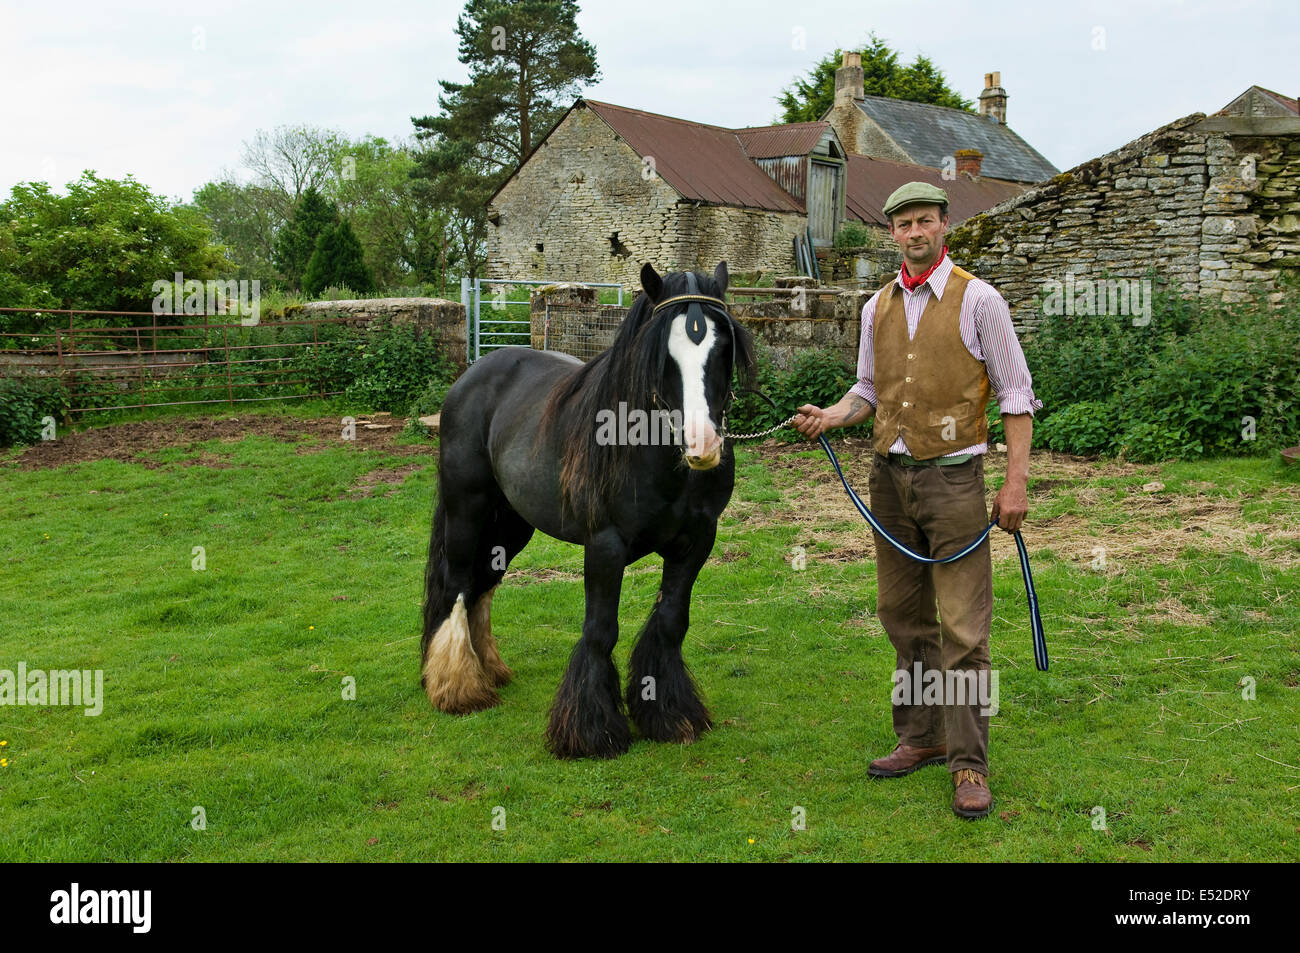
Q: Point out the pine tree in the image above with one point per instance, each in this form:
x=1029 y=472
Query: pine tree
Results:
x=296 y=242
x=527 y=61
x=337 y=262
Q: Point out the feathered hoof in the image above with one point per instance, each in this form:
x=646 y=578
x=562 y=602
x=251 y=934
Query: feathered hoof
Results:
x=682 y=727
x=485 y=643
x=573 y=735
x=454 y=678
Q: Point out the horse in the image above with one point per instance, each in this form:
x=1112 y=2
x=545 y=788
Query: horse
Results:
x=528 y=442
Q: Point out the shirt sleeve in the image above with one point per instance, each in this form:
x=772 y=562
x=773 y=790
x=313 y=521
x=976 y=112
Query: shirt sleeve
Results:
x=1003 y=357
x=866 y=385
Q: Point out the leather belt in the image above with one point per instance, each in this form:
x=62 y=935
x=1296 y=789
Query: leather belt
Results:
x=909 y=461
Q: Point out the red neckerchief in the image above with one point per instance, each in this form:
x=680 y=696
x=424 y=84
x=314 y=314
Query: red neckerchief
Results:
x=910 y=283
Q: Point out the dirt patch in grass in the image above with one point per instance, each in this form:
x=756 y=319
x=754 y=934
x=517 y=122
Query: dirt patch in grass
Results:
x=131 y=442
x=1097 y=530
x=368 y=483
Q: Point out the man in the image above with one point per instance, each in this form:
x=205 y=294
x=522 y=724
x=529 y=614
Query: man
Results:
x=935 y=342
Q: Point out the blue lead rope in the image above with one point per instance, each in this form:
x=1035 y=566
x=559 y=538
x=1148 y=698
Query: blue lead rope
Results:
x=1035 y=620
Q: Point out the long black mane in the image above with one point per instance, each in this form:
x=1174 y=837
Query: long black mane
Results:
x=631 y=370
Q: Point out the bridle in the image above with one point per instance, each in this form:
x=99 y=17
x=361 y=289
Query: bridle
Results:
x=696 y=328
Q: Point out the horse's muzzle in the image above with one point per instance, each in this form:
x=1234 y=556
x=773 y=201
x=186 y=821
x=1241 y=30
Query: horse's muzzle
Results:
x=703 y=449
x=706 y=462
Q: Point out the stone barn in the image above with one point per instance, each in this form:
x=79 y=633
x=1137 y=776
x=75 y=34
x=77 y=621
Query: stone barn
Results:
x=610 y=187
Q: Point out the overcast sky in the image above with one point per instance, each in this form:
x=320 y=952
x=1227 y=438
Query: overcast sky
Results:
x=168 y=91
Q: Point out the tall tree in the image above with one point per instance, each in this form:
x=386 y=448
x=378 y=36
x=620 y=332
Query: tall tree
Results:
x=337 y=262
x=245 y=219
x=289 y=160
x=807 y=100
x=526 y=61
x=296 y=242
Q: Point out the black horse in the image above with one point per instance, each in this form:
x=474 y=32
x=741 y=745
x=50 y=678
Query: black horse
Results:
x=538 y=440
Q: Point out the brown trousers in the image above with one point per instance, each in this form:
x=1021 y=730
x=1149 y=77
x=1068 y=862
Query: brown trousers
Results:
x=937 y=615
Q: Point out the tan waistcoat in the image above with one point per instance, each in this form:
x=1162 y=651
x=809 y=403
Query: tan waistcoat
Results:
x=930 y=390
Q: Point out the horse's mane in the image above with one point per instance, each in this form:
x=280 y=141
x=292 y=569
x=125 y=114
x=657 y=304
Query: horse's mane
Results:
x=630 y=370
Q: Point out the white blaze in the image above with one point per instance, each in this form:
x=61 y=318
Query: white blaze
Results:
x=701 y=434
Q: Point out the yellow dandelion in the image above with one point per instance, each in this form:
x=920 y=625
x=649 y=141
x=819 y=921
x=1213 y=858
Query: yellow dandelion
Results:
x=3 y=744
x=4 y=762
x=311 y=626
x=751 y=840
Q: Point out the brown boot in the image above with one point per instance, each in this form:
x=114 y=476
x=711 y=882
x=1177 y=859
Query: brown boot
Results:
x=972 y=797
x=905 y=759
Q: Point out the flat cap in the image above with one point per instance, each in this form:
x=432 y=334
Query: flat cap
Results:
x=912 y=193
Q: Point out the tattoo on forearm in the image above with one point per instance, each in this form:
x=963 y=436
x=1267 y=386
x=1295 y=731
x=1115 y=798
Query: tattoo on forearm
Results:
x=856 y=407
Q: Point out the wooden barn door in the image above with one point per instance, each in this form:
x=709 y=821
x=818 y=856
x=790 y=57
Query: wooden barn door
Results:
x=823 y=201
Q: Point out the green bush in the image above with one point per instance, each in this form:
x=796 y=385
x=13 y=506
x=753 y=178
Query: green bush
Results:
x=818 y=376
x=1199 y=380
x=381 y=367
x=1088 y=427
x=430 y=400
x=853 y=235
x=23 y=402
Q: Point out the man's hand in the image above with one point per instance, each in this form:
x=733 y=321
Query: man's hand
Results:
x=1010 y=505
x=1012 y=502
x=811 y=421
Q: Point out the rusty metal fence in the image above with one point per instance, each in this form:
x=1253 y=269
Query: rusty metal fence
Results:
x=174 y=359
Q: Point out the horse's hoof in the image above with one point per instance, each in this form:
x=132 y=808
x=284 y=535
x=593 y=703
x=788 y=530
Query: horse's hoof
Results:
x=683 y=729
x=610 y=742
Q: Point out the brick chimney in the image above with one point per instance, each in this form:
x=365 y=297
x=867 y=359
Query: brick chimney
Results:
x=969 y=160
x=993 y=101
x=849 y=79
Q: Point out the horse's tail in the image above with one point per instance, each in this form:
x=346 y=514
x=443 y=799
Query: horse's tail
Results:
x=436 y=604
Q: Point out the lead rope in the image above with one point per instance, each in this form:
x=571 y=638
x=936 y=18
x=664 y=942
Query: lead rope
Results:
x=1035 y=619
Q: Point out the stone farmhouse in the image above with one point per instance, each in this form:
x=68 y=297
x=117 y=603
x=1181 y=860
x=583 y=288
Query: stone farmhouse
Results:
x=611 y=187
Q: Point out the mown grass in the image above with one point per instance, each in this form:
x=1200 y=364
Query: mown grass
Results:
x=224 y=688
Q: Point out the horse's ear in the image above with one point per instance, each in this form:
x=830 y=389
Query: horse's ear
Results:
x=720 y=276
x=651 y=283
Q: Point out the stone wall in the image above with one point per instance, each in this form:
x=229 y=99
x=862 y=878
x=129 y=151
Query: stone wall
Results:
x=1209 y=207
x=867 y=267
x=567 y=318
x=831 y=319
x=444 y=318
x=583 y=210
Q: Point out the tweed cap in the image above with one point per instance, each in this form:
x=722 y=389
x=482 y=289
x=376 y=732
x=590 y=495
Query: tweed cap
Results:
x=912 y=193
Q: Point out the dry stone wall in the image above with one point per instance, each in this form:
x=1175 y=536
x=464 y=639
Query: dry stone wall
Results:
x=1205 y=207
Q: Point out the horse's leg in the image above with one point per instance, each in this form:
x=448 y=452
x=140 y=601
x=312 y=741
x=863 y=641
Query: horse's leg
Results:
x=587 y=718
x=662 y=698
x=453 y=675
x=509 y=534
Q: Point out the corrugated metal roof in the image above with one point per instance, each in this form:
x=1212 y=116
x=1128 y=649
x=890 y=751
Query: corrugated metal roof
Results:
x=872 y=180
x=702 y=162
x=929 y=134
x=792 y=139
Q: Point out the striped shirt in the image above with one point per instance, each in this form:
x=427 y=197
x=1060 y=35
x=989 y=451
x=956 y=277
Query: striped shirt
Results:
x=985 y=330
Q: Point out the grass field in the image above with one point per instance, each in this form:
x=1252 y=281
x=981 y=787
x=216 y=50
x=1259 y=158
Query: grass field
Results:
x=224 y=688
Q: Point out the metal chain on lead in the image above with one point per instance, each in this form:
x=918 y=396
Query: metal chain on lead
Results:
x=762 y=433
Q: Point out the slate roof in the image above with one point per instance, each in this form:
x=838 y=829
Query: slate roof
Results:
x=929 y=134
